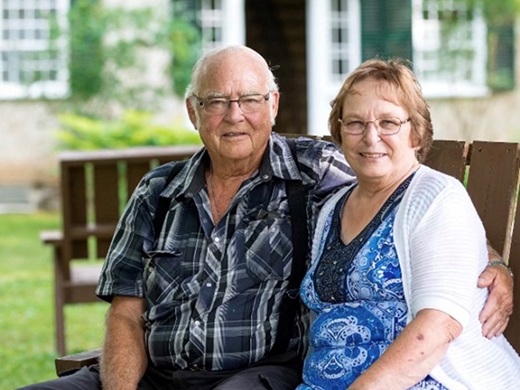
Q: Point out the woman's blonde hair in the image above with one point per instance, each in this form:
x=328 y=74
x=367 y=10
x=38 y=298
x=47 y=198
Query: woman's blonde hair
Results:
x=407 y=91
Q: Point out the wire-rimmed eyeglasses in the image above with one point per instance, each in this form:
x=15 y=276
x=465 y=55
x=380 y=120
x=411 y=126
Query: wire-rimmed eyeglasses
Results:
x=249 y=104
x=384 y=126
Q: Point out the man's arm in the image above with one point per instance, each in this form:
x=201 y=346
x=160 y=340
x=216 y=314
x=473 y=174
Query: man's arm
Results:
x=124 y=361
x=499 y=306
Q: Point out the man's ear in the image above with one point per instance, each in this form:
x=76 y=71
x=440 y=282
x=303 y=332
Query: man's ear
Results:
x=191 y=113
x=275 y=95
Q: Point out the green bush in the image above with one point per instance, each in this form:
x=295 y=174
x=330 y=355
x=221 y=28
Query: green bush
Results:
x=134 y=128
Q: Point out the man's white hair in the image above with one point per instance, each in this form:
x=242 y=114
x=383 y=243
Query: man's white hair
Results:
x=200 y=69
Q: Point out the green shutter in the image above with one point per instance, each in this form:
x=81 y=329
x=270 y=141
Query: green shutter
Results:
x=186 y=42
x=386 y=29
x=86 y=48
x=501 y=57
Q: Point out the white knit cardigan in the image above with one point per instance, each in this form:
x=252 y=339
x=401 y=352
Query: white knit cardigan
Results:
x=441 y=246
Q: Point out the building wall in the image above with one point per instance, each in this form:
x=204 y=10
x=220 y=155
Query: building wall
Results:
x=27 y=152
x=492 y=118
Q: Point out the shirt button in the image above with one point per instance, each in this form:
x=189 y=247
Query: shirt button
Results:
x=217 y=240
x=189 y=194
x=209 y=284
x=204 y=220
x=197 y=323
x=265 y=177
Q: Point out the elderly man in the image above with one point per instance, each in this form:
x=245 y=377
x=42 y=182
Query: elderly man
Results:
x=196 y=297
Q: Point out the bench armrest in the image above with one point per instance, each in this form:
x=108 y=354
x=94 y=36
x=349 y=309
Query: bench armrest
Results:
x=71 y=363
x=51 y=237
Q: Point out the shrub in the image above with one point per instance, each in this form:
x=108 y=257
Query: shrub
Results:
x=134 y=128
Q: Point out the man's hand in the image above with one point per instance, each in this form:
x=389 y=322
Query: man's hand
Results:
x=499 y=306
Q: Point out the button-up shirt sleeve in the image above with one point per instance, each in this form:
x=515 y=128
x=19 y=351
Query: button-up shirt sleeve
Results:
x=122 y=271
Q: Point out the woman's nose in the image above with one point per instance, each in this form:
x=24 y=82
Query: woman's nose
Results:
x=371 y=134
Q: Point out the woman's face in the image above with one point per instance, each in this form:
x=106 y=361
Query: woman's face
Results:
x=377 y=159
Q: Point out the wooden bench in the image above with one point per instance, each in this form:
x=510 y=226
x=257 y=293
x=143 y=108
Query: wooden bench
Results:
x=490 y=170
x=95 y=186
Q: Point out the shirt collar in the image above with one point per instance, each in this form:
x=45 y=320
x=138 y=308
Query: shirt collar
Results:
x=276 y=162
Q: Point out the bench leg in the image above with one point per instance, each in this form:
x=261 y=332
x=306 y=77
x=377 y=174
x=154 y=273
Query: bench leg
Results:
x=59 y=303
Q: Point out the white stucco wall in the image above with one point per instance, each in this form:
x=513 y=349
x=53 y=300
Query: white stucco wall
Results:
x=493 y=119
x=27 y=152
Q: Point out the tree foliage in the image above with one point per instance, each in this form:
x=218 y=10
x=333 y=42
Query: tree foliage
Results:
x=108 y=54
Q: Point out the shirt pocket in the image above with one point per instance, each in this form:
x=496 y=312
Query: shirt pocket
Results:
x=268 y=246
x=164 y=274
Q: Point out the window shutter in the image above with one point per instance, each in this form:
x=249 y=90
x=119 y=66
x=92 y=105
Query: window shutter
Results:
x=501 y=57
x=386 y=29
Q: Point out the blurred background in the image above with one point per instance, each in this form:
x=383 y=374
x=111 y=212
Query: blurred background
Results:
x=111 y=74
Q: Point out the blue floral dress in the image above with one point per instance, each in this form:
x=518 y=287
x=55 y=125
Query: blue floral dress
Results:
x=356 y=295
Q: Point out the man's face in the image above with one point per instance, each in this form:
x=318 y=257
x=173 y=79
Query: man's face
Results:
x=234 y=137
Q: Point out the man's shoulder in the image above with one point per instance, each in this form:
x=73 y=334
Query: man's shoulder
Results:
x=155 y=181
x=310 y=150
x=304 y=141
x=320 y=163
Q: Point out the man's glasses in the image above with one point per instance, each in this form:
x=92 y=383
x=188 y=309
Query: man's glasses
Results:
x=384 y=126
x=249 y=104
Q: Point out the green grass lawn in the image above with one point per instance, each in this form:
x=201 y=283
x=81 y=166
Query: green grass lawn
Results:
x=27 y=349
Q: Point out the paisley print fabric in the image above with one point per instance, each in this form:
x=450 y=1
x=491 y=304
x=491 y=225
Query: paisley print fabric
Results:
x=356 y=295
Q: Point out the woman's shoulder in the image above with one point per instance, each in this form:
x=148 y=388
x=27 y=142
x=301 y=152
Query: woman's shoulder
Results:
x=430 y=183
x=430 y=188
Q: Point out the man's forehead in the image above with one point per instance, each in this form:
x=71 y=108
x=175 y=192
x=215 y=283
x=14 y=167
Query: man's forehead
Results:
x=226 y=83
x=230 y=72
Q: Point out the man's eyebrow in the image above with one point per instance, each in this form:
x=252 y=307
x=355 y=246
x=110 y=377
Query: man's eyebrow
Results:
x=215 y=94
x=249 y=93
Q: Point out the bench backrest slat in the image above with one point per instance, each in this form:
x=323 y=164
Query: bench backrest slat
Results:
x=492 y=182
x=74 y=206
x=448 y=157
x=106 y=200
x=134 y=174
x=513 y=329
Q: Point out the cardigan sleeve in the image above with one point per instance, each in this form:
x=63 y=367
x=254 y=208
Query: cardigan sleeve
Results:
x=447 y=252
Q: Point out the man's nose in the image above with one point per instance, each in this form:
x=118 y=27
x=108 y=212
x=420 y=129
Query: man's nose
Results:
x=234 y=110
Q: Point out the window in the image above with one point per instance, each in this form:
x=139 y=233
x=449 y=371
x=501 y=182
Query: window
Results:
x=344 y=53
x=449 y=48
x=333 y=51
x=211 y=24
x=29 y=66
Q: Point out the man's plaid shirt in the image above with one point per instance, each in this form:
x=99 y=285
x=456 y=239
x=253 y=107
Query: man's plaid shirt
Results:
x=213 y=292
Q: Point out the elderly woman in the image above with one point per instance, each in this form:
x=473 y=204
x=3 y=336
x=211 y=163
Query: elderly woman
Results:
x=393 y=284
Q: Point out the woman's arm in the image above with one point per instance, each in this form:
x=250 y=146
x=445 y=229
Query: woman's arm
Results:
x=413 y=354
x=124 y=361
x=441 y=245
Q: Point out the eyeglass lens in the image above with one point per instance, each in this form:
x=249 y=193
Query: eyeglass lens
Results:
x=248 y=104
x=385 y=126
